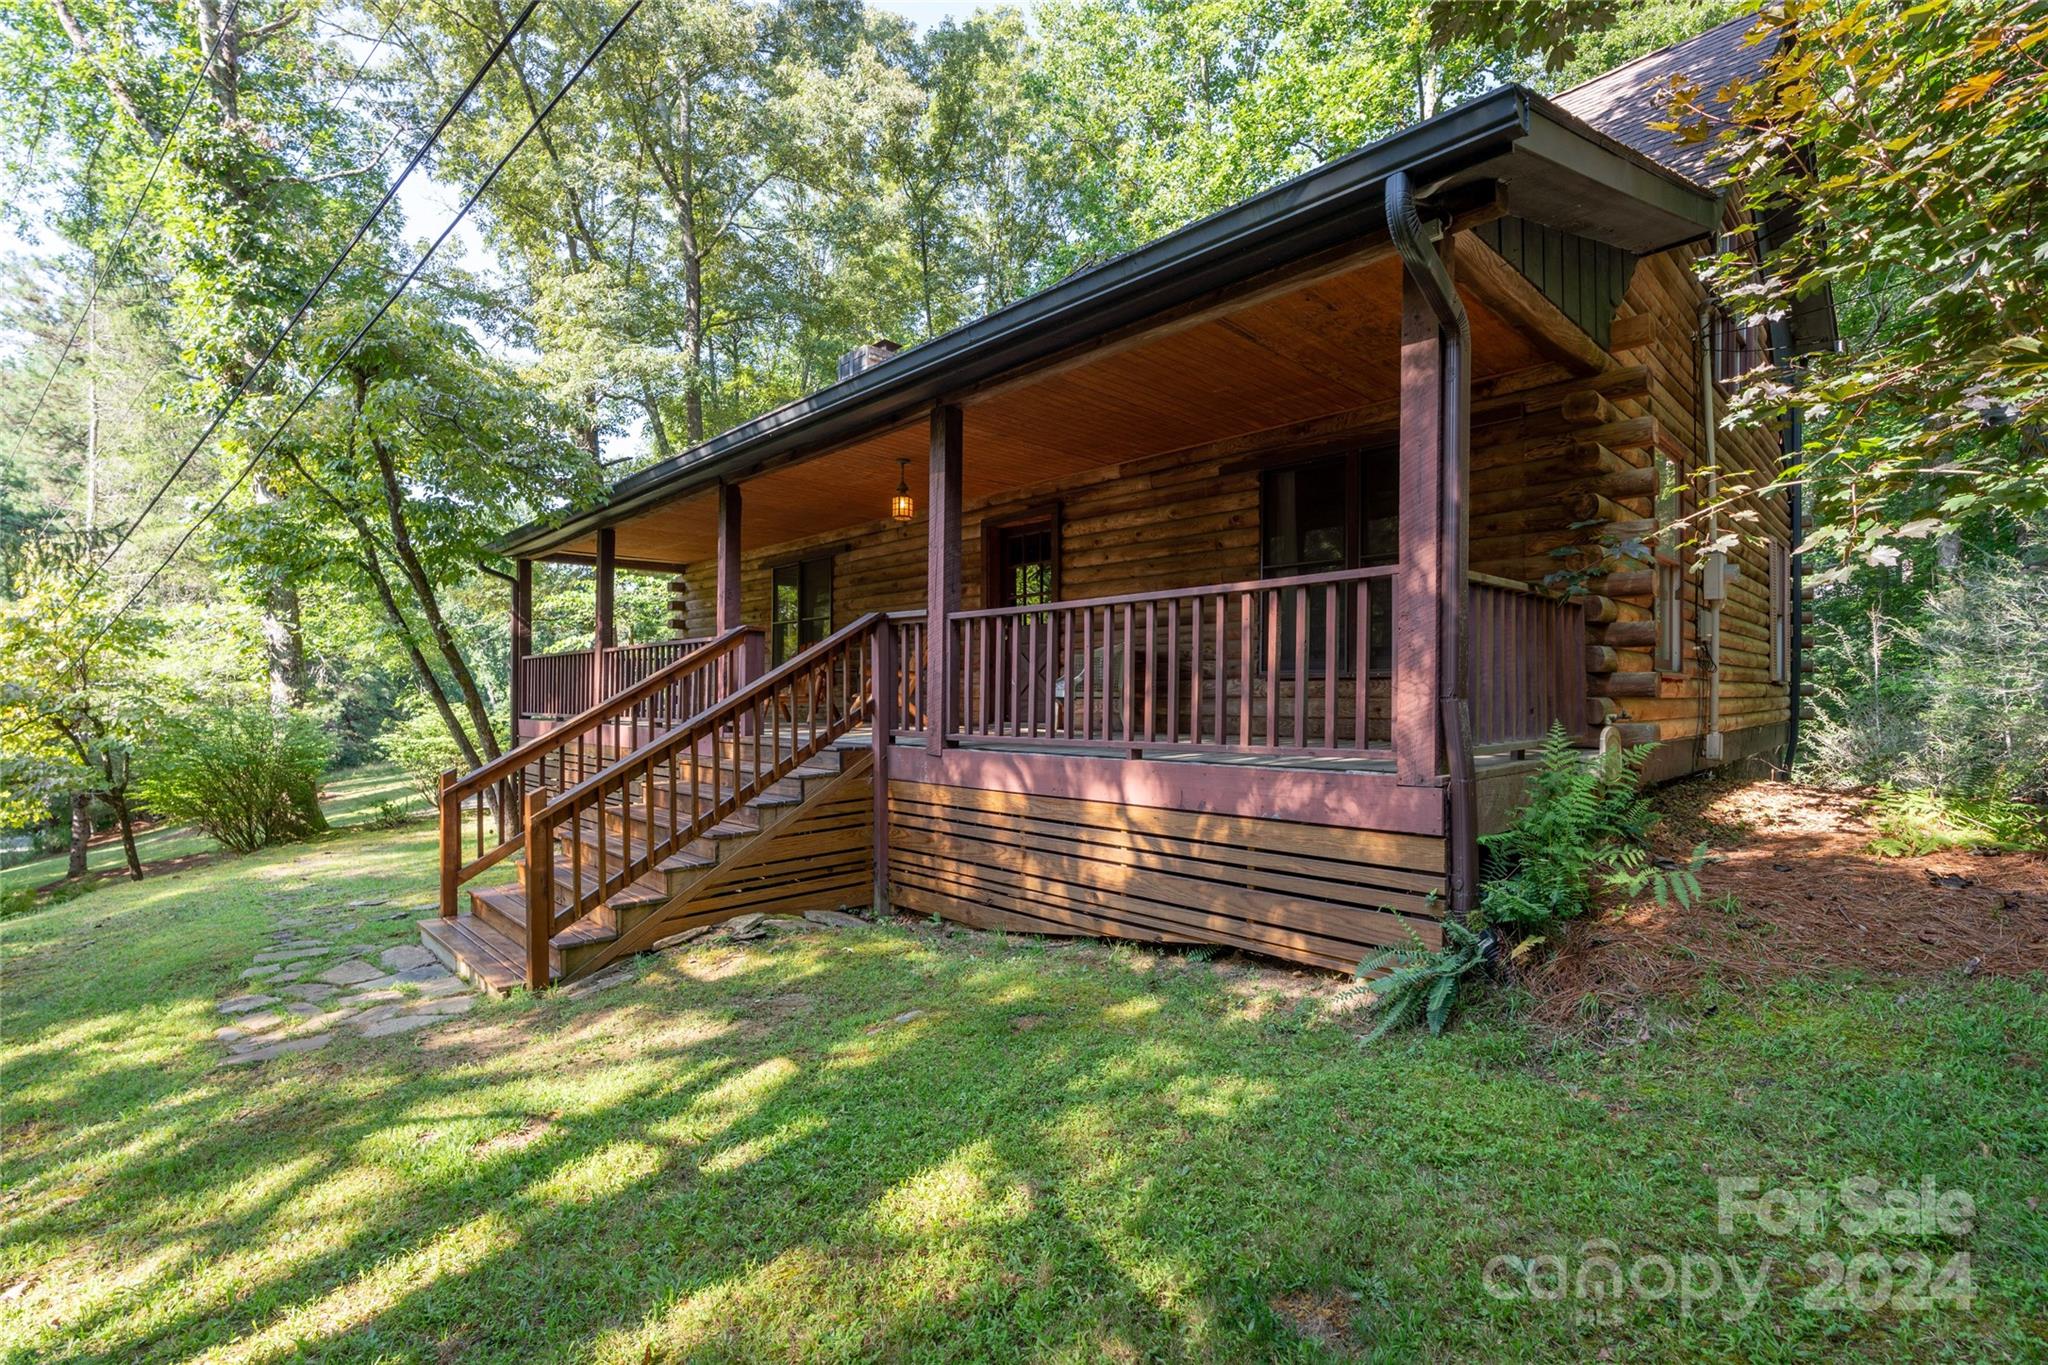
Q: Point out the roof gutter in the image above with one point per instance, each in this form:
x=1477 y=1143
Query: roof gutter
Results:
x=1312 y=212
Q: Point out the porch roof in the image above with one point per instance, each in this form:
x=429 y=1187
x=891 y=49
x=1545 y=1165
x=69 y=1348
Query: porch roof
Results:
x=1513 y=144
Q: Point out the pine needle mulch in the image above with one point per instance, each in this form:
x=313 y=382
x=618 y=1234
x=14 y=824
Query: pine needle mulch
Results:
x=1792 y=887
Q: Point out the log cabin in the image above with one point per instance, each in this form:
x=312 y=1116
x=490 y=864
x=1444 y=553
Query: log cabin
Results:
x=1216 y=594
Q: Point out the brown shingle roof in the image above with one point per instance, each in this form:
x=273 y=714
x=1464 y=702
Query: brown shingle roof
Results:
x=1624 y=102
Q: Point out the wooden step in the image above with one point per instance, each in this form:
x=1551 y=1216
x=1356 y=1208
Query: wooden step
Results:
x=476 y=952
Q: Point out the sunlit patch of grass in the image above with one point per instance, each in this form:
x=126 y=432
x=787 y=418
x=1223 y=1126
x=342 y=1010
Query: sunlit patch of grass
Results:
x=749 y=1153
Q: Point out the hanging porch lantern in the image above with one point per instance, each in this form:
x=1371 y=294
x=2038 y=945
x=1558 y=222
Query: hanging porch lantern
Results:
x=901 y=508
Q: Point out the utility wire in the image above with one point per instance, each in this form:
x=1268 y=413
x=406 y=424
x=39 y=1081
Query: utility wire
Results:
x=363 y=65
x=307 y=397
x=306 y=303
x=163 y=152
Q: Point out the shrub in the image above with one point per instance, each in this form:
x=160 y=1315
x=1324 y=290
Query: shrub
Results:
x=1577 y=817
x=422 y=747
x=1952 y=695
x=246 y=775
x=1422 y=984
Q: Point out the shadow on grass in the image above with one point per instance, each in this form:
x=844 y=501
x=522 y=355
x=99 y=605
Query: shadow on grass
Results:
x=859 y=1145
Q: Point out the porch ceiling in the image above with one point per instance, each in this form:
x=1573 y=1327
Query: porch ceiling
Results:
x=1314 y=348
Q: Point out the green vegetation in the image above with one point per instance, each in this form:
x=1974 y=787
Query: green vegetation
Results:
x=360 y=796
x=1913 y=822
x=247 y=776
x=1071 y=1153
x=1579 y=830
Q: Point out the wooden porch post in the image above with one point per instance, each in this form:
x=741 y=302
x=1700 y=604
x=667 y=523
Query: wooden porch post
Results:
x=1418 y=641
x=728 y=556
x=606 y=634
x=1432 y=703
x=882 y=727
x=522 y=639
x=942 y=574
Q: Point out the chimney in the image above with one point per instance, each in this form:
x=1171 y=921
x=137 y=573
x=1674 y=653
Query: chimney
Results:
x=866 y=357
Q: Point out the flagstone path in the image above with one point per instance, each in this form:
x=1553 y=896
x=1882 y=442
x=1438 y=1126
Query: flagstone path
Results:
x=306 y=987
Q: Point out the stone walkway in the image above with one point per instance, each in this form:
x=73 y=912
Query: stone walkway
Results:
x=306 y=986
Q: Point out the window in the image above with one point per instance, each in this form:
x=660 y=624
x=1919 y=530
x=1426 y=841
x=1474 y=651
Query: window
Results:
x=1327 y=514
x=1670 y=574
x=1022 y=561
x=801 y=606
x=1737 y=349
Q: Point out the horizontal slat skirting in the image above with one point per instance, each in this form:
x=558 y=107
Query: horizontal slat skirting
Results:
x=1414 y=852
x=1263 y=868
x=974 y=895
x=1313 y=894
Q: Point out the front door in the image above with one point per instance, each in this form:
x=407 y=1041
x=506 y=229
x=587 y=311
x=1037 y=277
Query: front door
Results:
x=1023 y=564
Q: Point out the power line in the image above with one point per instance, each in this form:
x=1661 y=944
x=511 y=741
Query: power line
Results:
x=364 y=64
x=312 y=390
x=163 y=152
x=305 y=304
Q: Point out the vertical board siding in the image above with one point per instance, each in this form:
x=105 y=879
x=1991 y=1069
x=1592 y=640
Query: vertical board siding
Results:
x=1584 y=278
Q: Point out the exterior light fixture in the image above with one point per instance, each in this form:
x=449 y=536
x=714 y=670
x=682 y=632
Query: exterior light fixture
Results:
x=901 y=508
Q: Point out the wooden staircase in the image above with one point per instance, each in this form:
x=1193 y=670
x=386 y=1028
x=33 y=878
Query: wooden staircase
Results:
x=656 y=839
x=486 y=944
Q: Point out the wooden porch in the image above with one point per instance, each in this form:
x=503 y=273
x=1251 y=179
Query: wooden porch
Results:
x=1202 y=617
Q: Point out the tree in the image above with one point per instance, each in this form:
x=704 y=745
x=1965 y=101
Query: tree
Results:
x=72 y=717
x=1907 y=148
x=394 y=486
x=1169 y=111
x=1912 y=153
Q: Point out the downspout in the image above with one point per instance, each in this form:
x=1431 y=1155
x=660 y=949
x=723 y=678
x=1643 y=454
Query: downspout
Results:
x=1714 y=569
x=1791 y=448
x=1454 y=706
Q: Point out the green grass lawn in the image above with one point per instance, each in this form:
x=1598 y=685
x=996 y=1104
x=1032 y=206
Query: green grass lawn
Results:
x=1073 y=1153
x=351 y=796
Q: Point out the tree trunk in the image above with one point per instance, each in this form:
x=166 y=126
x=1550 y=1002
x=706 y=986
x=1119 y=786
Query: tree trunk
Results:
x=373 y=568
x=117 y=797
x=81 y=833
x=430 y=605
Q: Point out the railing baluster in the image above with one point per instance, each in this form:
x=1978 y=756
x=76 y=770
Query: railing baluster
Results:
x=1087 y=673
x=1301 y=632
x=1333 y=651
x=1361 y=664
x=1151 y=663
x=1173 y=670
x=1272 y=597
x=1128 y=674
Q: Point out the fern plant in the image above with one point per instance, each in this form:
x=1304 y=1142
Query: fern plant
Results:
x=1541 y=870
x=1581 y=827
x=1423 y=982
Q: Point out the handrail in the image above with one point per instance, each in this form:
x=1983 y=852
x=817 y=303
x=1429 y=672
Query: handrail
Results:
x=1306 y=580
x=1297 y=665
x=675 y=691
x=602 y=711
x=571 y=681
x=738 y=746
x=1528 y=666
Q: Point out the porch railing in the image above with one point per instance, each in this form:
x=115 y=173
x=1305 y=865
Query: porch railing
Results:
x=1296 y=665
x=482 y=809
x=1528 y=665
x=906 y=708
x=672 y=789
x=574 y=680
